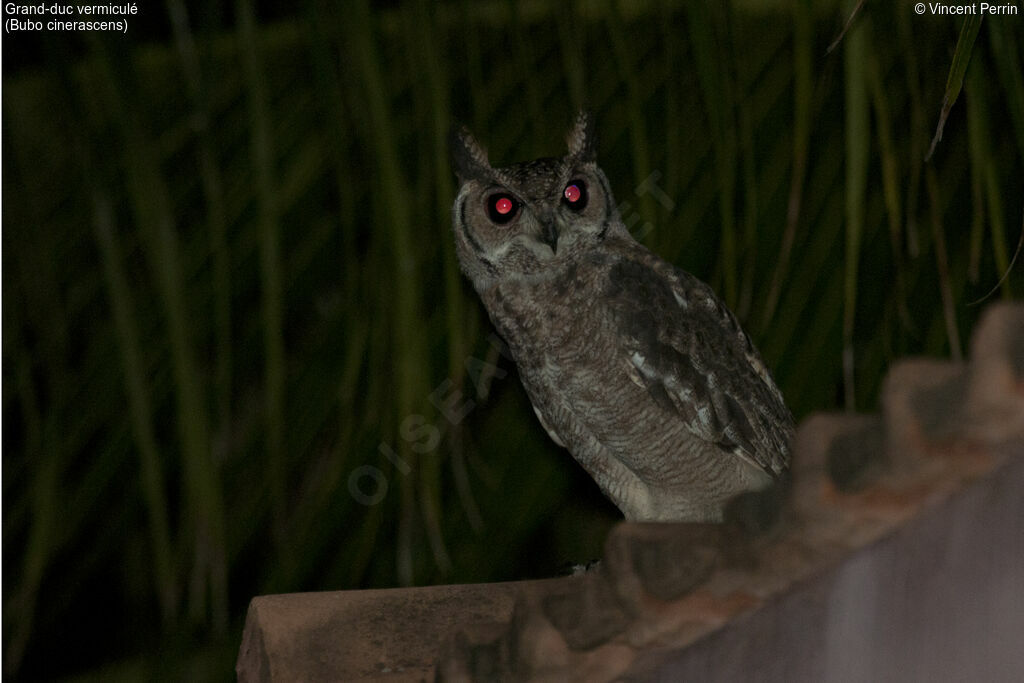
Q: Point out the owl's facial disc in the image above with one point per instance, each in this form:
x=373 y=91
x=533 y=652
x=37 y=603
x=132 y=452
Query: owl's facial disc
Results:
x=548 y=217
x=518 y=222
x=532 y=218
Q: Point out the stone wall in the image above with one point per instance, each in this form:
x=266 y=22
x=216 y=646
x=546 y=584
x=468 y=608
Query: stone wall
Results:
x=898 y=555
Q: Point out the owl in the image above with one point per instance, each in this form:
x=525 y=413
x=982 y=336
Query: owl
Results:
x=633 y=365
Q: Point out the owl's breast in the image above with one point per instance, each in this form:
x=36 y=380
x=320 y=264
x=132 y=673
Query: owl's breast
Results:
x=569 y=354
x=555 y=322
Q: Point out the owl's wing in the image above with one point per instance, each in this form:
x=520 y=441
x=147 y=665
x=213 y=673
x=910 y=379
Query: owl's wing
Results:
x=687 y=349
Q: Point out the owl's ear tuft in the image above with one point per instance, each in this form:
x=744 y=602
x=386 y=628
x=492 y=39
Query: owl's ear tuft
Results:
x=582 y=139
x=469 y=160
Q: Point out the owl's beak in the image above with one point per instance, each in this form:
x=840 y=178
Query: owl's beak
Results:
x=550 y=235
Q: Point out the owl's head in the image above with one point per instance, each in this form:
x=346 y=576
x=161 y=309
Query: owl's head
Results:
x=533 y=217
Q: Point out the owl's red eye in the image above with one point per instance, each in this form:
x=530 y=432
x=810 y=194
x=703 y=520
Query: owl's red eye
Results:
x=502 y=208
x=575 y=195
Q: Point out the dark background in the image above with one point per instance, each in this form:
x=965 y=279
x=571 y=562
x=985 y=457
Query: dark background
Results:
x=228 y=279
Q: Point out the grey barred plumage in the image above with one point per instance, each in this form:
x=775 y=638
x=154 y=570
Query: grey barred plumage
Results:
x=634 y=365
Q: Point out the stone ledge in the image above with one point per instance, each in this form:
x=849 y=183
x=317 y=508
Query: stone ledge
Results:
x=900 y=555
x=388 y=634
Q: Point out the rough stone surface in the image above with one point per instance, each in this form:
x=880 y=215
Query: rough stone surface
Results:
x=588 y=615
x=662 y=562
x=899 y=555
x=392 y=634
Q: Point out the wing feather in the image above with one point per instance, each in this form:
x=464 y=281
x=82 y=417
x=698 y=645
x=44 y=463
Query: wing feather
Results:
x=695 y=361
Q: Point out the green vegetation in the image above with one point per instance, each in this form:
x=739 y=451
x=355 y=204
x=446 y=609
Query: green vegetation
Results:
x=229 y=280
